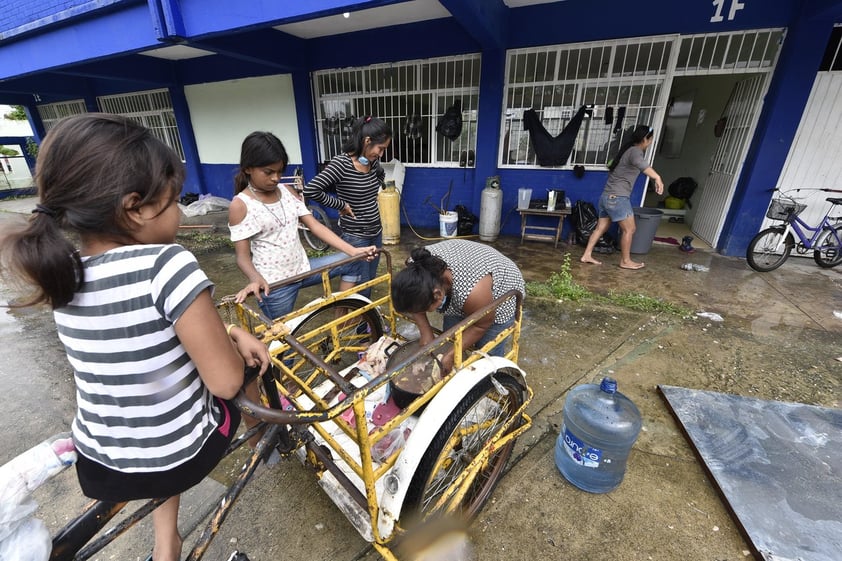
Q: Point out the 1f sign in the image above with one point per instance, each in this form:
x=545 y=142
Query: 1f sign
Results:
x=736 y=5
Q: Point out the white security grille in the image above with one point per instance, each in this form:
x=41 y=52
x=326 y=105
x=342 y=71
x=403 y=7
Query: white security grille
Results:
x=52 y=113
x=621 y=82
x=722 y=53
x=410 y=96
x=152 y=109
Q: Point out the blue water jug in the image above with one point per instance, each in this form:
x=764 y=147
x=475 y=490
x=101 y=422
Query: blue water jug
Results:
x=599 y=428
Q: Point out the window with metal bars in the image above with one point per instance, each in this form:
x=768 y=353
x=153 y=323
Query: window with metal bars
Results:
x=736 y=52
x=152 y=109
x=411 y=96
x=620 y=82
x=52 y=113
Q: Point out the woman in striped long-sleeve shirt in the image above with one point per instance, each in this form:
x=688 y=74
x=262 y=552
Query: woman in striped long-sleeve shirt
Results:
x=350 y=184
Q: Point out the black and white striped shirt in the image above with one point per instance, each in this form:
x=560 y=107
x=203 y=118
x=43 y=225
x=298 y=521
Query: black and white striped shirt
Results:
x=339 y=183
x=141 y=406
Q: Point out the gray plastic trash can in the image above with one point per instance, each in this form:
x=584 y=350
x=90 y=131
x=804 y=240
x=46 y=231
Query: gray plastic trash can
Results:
x=646 y=222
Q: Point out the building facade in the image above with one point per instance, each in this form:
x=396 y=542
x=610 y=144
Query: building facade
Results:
x=741 y=93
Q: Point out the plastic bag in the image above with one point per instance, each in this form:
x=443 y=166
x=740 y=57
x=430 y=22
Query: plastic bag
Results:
x=713 y=316
x=376 y=356
x=22 y=537
x=387 y=445
x=30 y=541
x=395 y=171
x=206 y=204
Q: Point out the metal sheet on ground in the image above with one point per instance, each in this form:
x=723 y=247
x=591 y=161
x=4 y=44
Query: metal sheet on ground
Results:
x=778 y=465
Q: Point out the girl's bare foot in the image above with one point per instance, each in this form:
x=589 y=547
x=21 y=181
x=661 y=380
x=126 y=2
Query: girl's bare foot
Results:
x=632 y=265
x=590 y=260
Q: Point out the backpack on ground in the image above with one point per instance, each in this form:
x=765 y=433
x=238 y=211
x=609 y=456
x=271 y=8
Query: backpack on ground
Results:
x=683 y=188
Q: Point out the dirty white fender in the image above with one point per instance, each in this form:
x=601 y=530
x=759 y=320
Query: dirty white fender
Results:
x=435 y=414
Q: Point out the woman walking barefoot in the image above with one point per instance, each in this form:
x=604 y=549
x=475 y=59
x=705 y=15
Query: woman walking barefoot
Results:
x=615 y=203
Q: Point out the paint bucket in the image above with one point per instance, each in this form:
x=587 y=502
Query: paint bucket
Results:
x=447 y=224
x=524 y=197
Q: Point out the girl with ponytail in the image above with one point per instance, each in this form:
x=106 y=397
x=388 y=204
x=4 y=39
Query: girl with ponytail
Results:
x=615 y=203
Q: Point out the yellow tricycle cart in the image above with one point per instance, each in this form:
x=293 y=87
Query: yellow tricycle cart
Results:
x=334 y=370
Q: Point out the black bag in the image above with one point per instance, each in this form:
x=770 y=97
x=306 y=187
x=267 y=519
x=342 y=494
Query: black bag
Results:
x=583 y=219
x=189 y=198
x=465 y=221
x=450 y=124
x=683 y=188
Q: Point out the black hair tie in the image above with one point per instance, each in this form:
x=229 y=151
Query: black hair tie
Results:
x=41 y=209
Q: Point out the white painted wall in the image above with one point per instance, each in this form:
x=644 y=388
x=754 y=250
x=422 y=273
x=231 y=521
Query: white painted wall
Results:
x=221 y=120
x=813 y=161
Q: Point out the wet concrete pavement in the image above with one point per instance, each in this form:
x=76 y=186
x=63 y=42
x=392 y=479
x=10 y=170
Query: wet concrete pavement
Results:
x=779 y=340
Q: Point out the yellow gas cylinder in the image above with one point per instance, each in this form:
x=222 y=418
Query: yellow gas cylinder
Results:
x=389 y=201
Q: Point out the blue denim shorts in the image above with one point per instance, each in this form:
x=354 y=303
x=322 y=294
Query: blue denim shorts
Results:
x=281 y=301
x=615 y=207
x=362 y=271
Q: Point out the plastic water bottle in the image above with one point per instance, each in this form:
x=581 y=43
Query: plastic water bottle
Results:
x=600 y=426
x=695 y=267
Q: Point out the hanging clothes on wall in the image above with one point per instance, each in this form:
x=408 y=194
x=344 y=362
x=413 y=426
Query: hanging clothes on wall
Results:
x=552 y=150
x=450 y=124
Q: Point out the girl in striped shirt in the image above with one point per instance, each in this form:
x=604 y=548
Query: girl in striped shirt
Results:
x=153 y=364
x=350 y=184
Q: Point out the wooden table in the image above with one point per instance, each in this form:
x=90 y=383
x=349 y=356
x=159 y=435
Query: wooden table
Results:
x=531 y=232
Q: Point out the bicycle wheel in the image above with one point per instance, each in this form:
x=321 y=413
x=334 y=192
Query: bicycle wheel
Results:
x=767 y=251
x=828 y=251
x=339 y=344
x=465 y=432
x=309 y=237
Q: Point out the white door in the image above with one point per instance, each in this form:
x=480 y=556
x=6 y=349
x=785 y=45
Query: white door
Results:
x=741 y=112
x=813 y=161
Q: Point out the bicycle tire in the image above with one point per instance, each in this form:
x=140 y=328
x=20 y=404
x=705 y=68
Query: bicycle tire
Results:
x=340 y=346
x=761 y=253
x=828 y=251
x=456 y=445
x=309 y=237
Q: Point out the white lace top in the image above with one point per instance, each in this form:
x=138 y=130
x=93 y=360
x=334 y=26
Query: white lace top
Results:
x=272 y=230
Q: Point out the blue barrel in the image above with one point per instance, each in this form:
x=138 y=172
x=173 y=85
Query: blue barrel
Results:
x=599 y=427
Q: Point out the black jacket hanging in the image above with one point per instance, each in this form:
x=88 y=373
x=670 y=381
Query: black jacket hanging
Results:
x=450 y=124
x=552 y=150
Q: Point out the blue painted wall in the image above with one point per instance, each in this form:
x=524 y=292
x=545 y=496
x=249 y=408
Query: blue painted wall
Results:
x=129 y=26
x=18 y=17
x=789 y=90
x=571 y=22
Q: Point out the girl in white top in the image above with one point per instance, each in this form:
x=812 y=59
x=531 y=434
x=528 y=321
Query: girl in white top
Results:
x=151 y=358
x=263 y=219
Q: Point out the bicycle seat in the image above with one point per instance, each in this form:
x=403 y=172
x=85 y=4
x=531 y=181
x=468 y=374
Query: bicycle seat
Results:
x=834 y=200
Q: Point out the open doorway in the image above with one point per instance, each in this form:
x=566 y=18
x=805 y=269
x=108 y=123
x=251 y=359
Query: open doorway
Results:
x=687 y=148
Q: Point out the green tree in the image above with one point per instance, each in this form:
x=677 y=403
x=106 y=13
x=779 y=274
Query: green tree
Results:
x=16 y=114
x=32 y=148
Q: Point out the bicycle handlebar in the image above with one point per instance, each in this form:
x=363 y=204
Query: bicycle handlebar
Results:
x=795 y=190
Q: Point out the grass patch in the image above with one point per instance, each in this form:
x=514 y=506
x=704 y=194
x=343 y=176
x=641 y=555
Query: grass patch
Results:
x=200 y=241
x=204 y=241
x=562 y=286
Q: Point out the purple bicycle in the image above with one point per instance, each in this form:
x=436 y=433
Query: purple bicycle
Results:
x=771 y=247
